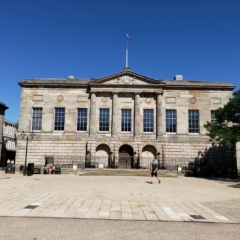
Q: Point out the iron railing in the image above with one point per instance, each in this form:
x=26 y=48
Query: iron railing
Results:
x=210 y=166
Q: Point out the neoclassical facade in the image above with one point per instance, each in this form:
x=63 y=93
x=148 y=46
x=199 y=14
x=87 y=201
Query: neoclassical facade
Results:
x=123 y=120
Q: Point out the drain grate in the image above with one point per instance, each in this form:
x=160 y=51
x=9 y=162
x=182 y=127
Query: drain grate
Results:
x=31 y=206
x=197 y=216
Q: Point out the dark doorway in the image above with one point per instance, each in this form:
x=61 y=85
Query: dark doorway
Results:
x=126 y=157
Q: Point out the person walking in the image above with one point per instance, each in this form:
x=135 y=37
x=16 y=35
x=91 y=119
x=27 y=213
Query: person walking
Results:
x=154 y=168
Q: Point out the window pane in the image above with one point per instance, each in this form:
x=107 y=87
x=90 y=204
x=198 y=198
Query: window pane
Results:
x=148 y=120
x=82 y=119
x=126 y=120
x=104 y=120
x=171 y=121
x=213 y=117
x=37 y=119
x=59 y=119
x=193 y=121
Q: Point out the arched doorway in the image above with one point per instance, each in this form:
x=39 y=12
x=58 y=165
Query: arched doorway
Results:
x=125 y=156
x=149 y=153
x=103 y=154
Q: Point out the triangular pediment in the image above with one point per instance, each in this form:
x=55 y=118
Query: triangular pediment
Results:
x=126 y=77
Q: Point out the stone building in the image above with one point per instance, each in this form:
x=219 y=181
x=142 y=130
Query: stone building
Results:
x=9 y=138
x=3 y=108
x=123 y=120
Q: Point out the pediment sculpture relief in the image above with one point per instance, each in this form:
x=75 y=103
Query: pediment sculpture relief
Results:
x=126 y=80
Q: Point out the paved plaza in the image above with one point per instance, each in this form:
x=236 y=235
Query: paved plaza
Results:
x=121 y=203
x=89 y=229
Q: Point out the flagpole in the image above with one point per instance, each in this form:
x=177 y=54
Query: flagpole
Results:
x=127 y=55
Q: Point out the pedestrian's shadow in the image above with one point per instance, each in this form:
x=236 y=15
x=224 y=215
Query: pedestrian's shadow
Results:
x=148 y=182
x=235 y=186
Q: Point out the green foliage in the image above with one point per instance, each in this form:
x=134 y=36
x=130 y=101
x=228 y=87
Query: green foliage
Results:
x=16 y=125
x=227 y=128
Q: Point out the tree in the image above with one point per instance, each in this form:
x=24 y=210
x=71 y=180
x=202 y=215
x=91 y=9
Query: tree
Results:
x=226 y=129
x=16 y=125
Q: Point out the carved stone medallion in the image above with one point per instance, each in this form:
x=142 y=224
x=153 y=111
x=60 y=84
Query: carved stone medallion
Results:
x=193 y=100
x=60 y=98
x=104 y=99
x=148 y=100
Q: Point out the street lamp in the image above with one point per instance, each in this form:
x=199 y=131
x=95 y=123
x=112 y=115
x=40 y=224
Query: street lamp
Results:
x=163 y=155
x=5 y=139
x=23 y=135
x=138 y=159
x=158 y=158
x=114 y=154
x=90 y=153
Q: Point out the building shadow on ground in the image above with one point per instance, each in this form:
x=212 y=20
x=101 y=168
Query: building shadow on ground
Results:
x=215 y=163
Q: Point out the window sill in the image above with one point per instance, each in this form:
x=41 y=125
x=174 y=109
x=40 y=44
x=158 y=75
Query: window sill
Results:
x=171 y=133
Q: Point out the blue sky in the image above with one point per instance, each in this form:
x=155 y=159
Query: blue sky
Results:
x=87 y=39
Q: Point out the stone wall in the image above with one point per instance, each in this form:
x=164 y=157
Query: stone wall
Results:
x=72 y=99
x=238 y=157
x=174 y=153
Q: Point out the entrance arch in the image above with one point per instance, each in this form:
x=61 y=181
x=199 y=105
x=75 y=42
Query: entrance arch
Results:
x=149 y=153
x=103 y=153
x=125 y=156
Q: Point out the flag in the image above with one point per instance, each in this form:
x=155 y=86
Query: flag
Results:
x=128 y=38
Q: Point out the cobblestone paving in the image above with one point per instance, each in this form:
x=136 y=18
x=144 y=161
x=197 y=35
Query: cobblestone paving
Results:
x=59 y=228
x=119 y=198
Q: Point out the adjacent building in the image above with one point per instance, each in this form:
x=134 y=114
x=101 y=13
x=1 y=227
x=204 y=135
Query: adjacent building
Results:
x=3 y=108
x=9 y=139
x=123 y=120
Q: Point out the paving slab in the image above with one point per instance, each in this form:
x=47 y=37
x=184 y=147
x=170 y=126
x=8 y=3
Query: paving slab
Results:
x=114 y=197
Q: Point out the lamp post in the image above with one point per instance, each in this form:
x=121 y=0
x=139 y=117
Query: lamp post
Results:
x=138 y=159
x=5 y=139
x=163 y=155
x=90 y=153
x=114 y=154
x=25 y=164
x=158 y=157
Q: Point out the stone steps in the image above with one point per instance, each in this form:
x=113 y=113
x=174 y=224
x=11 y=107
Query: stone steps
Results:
x=118 y=172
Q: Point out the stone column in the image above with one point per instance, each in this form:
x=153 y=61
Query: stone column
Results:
x=238 y=157
x=137 y=121
x=115 y=114
x=160 y=119
x=92 y=123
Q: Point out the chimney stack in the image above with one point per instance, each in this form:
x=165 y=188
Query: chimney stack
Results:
x=178 y=77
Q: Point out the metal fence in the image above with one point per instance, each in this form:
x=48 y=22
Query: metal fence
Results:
x=207 y=166
x=123 y=163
